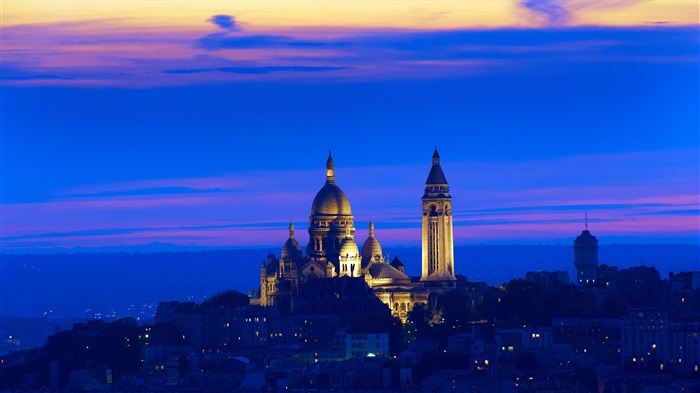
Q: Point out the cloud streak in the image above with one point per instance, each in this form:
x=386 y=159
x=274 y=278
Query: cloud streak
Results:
x=492 y=203
x=55 y=54
x=562 y=12
x=255 y=70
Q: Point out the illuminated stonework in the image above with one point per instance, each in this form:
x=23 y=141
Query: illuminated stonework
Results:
x=438 y=247
x=333 y=252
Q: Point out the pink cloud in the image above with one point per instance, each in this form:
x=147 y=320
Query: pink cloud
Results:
x=542 y=200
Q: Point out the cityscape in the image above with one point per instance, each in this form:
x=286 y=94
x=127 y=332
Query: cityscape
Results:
x=350 y=196
x=335 y=316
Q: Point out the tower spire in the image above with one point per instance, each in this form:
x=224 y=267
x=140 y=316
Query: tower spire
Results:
x=371 y=228
x=330 y=168
x=291 y=229
x=436 y=157
x=436 y=176
x=586 y=220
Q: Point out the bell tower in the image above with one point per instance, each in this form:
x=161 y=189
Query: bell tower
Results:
x=438 y=246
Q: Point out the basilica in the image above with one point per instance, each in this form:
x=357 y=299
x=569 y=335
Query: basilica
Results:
x=333 y=254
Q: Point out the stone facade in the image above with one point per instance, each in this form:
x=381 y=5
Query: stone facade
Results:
x=333 y=252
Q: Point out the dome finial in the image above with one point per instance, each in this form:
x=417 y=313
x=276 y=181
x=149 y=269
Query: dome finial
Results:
x=436 y=157
x=291 y=229
x=371 y=228
x=330 y=168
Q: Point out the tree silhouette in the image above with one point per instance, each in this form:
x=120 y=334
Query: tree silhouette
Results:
x=230 y=298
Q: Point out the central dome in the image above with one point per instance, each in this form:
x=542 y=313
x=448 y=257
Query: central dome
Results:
x=331 y=201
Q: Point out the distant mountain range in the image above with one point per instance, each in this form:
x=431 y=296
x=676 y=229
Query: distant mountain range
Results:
x=80 y=284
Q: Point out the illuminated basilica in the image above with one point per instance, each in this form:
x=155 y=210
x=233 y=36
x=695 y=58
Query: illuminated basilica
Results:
x=332 y=252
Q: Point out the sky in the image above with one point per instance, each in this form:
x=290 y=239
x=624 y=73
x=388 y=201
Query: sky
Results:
x=209 y=123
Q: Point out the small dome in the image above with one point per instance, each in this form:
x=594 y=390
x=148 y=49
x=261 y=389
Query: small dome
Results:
x=371 y=246
x=586 y=239
x=291 y=249
x=348 y=248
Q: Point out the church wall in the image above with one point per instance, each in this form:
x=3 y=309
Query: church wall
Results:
x=331 y=222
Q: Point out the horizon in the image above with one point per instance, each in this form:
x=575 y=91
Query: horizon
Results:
x=71 y=283
x=158 y=247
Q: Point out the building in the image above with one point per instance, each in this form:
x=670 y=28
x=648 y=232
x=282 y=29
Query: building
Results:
x=607 y=276
x=332 y=252
x=512 y=343
x=593 y=341
x=548 y=279
x=684 y=296
x=641 y=286
x=438 y=246
x=586 y=258
x=366 y=344
x=651 y=342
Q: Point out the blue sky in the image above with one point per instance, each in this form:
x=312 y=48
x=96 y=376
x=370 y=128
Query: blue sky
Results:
x=216 y=134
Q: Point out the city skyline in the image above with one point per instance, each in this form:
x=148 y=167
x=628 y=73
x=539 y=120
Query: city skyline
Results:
x=123 y=125
x=393 y=195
